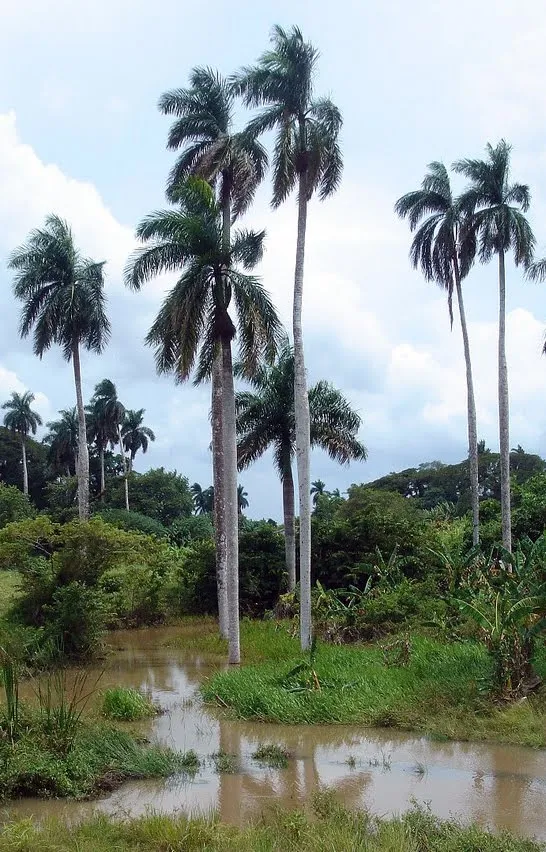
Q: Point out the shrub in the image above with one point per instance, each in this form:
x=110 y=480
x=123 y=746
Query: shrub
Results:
x=75 y=620
x=162 y=495
x=128 y=705
x=132 y=522
x=185 y=531
x=14 y=505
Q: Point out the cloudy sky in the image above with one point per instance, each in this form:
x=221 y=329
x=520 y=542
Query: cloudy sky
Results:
x=80 y=135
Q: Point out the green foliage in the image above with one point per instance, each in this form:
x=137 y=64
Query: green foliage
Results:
x=132 y=522
x=185 y=531
x=159 y=494
x=271 y=754
x=10 y=456
x=74 y=620
x=14 y=505
x=127 y=704
x=61 y=497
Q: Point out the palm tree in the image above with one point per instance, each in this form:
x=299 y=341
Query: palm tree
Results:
x=63 y=301
x=136 y=436
x=62 y=440
x=102 y=424
x=111 y=410
x=495 y=209
x=23 y=421
x=242 y=499
x=266 y=418
x=306 y=157
x=203 y=499
x=194 y=323
x=235 y=163
x=318 y=489
x=444 y=258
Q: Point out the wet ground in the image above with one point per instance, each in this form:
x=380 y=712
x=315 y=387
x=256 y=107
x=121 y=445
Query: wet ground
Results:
x=497 y=786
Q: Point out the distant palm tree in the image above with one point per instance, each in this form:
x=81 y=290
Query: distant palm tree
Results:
x=266 y=419
x=102 y=423
x=306 y=158
x=194 y=322
x=62 y=441
x=136 y=436
x=242 y=501
x=111 y=411
x=494 y=208
x=437 y=248
x=63 y=301
x=203 y=499
x=235 y=164
x=23 y=421
x=318 y=489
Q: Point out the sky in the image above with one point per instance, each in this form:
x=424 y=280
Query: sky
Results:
x=81 y=136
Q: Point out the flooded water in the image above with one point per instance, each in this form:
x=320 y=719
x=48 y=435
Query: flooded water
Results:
x=495 y=785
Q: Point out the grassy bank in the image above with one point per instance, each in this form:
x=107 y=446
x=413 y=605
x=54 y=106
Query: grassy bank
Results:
x=261 y=641
x=433 y=687
x=331 y=827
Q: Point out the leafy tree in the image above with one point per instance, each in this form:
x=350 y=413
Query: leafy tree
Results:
x=14 y=506
x=194 y=322
x=162 y=495
x=62 y=442
x=63 y=301
x=445 y=258
x=235 y=164
x=110 y=413
x=10 y=464
x=136 y=436
x=306 y=158
x=22 y=420
x=494 y=208
x=242 y=501
x=266 y=418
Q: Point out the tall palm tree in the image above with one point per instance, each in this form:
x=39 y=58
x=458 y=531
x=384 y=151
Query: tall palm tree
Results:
x=495 y=209
x=203 y=499
x=266 y=418
x=102 y=425
x=107 y=406
x=318 y=489
x=62 y=440
x=234 y=163
x=63 y=301
x=194 y=323
x=306 y=157
x=23 y=421
x=136 y=436
x=437 y=248
x=242 y=499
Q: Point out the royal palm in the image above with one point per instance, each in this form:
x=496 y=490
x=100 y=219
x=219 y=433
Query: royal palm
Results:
x=234 y=163
x=63 y=303
x=494 y=208
x=307 y=159
x=62 y=441
x=438 y=250
x=104 y=416
x=136 y=436
x=23 y=421
x=265 y=418
x=194 y=323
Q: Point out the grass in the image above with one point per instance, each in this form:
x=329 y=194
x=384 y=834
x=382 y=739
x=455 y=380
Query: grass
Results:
x=261 y=641
x=330 y=827
x=127 y=705
x=442 y=692
x=10 y=582
x=270 y=754
x=225 y=763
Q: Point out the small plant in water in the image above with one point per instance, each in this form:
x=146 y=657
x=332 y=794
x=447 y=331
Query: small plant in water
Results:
x=385 y=761
x=419 y=769
x=225 y=764
x=126 y=704
x=351 y=761
x=272 y=755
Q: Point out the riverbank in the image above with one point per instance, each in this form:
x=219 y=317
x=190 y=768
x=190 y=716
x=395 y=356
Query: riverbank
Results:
x=437 y=688
x=328 y=827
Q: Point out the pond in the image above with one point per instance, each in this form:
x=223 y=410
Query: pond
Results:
x=497 y=786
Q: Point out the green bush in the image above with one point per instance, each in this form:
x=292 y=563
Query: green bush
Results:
x=75 y=620
x=132 y=522
x=185 y=531
x=14 y=505
x=162 y=495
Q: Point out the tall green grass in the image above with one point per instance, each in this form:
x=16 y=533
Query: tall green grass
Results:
x=330 y=829
x=128 y=705
x=442 y=691
x=261 y=641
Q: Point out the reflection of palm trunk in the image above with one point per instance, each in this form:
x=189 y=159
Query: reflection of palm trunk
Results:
x=303 y=440
x=230 y=798
x=289 y=525
x=82 y=460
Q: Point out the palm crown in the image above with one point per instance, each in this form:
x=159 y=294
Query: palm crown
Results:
x=306 y=143
x=194 y=317
x=136 y=436
x=104 y=413
x=203 y=128
x=20 y=417
x=62 y=292
x=62 y=440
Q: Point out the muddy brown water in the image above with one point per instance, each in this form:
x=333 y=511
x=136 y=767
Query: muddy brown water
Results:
x=498 y=786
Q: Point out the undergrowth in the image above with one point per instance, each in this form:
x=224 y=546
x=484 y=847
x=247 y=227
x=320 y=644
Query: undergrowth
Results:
x=128 y=705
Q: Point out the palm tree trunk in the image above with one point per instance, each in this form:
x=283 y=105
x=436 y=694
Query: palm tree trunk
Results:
x=231 y=516
x=219 y=495
x=504 y=413
x=124 y=462
x=25 y=468
x=102 y=476
x=289 y=521
x=471 y=414
x=82 y=462
x=303 y=441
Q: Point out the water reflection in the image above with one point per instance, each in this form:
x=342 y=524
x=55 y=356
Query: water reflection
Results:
x=497 y=786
